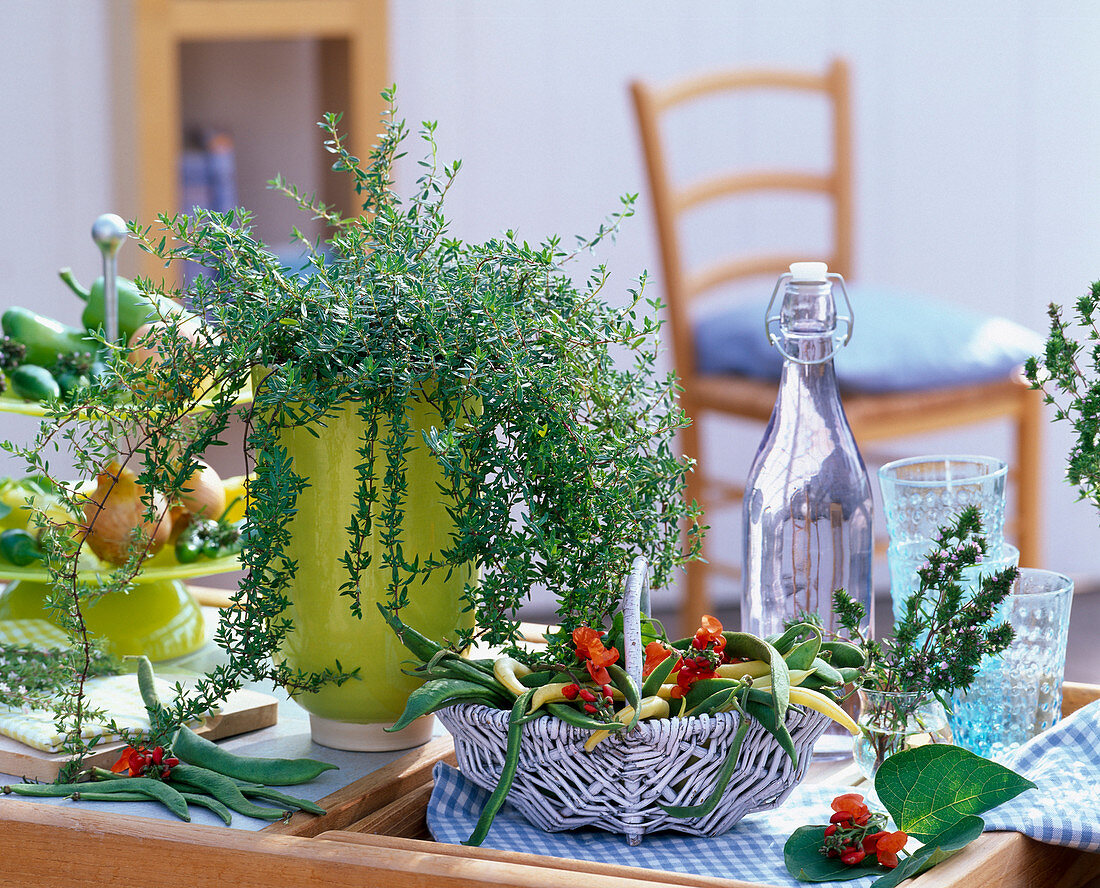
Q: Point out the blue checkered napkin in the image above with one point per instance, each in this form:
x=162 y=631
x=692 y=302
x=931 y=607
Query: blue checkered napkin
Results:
x=1064 y=764
x=751 y=851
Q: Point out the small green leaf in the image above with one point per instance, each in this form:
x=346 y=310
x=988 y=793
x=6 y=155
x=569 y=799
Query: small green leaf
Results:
x=804 y=860
x=928 y=789
x=936 y=850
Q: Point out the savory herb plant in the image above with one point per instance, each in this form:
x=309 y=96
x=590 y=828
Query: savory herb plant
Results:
x=946 y=632
x=1068 y=372
x=555 y=436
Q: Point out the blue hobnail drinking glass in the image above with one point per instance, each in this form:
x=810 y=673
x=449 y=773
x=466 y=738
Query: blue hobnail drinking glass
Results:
x=1018 y=694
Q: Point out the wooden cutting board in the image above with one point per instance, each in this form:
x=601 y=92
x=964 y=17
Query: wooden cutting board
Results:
x=242 y=712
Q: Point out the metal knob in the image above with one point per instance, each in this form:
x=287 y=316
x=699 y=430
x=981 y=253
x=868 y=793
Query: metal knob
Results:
x=109 y=231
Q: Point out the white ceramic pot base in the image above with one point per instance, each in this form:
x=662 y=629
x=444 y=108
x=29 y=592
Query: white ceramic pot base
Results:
x=369 y=737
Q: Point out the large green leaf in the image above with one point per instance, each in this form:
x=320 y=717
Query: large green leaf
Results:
x=804 y=860
x=930 y=788
x=936 y=850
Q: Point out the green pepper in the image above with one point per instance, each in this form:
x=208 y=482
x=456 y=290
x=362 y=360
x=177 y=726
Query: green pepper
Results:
x=188 y=548
x=44 y=338
x=135 y=308
x=19 y=548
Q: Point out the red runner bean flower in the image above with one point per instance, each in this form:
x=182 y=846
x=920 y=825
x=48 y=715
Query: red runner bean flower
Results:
x=854 y=834
x=590 y=649
x=140 y=762
x=655 y=654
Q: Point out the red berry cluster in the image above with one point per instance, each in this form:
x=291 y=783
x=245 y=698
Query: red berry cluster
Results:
x=140 y=762
x=856 y=835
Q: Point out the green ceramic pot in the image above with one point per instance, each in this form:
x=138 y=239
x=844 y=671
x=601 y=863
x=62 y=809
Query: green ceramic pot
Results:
x=159 y=618
x=353 y=715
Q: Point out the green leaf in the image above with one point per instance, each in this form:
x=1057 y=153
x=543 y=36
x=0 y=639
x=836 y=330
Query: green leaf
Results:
x=930 y=788
x=804 y=860
x=936 y=850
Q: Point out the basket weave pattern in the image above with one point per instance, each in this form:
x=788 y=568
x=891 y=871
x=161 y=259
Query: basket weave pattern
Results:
x=618 y=786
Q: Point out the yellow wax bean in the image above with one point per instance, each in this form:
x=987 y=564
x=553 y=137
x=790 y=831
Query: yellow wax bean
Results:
x=753 y=669
x=797 y=677
x=508 y=672
x=651 y=707
x=820 y=703
x=548 y=693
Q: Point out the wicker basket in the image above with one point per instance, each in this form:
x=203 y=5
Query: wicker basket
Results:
x=620 y=785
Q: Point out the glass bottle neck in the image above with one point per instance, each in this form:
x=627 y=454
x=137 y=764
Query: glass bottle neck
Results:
x=807 y=320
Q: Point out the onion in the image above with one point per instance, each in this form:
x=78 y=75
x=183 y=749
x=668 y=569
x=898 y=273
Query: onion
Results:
x=112 y=528
x=203 y=493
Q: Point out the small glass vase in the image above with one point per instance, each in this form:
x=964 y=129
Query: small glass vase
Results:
x=891 y=721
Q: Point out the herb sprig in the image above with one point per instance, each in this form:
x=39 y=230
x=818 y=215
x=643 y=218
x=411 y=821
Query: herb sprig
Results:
x=947 y=631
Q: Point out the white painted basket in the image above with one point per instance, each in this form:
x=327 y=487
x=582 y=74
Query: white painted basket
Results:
x=620 y=785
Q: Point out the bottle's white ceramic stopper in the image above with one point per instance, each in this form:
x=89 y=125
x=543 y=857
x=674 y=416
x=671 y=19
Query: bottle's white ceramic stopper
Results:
x=809 y=272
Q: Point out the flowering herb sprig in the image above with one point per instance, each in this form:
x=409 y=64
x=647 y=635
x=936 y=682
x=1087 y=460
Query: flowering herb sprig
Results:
x=948 y=629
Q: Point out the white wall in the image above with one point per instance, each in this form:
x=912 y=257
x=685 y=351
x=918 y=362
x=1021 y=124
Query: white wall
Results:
x=975 y=145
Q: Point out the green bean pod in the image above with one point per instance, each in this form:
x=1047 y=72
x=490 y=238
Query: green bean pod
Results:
x=143 y=786
x=434 y=695
x=455 y=666
x=827 y=672
x=210 y=803
x=91 y=795
x=573 y=716
x=622 y=680
x=743 y=644
x=785 y=643
x=729 y=765
x=148 y=689
x=761 y=707
x=802 y=655
x=420 y=646
x=720 y=701
x=254 y=791
x=189 y=747
x=508 y=772
x=224 y=790
x=844 y=654
x=42 y=790
x=537 y=679
x=192 y=798
x=659 y=675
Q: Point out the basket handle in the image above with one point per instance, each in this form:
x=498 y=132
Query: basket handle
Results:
x=635 y=605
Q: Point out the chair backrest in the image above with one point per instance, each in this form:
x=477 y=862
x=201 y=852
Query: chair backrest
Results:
x=671 y=202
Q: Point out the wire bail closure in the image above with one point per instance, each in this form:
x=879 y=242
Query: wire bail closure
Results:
x=840 y=338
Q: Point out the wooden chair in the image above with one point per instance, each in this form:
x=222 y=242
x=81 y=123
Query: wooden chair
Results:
x=873 y=417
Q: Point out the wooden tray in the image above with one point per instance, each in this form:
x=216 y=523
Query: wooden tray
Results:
x=375 y=834
x=243 y=711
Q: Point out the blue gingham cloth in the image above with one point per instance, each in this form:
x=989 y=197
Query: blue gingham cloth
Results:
x=1064 y=809
x=752 y=851
x=1064 y=764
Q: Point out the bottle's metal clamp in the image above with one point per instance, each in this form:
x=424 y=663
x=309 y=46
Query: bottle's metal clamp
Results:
x=841 y=336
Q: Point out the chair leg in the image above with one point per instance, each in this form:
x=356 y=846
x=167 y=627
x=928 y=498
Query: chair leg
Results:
x=695 y=600
x=1029 y=478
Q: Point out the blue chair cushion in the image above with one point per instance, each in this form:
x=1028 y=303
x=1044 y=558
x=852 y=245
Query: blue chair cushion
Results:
x=900 y=343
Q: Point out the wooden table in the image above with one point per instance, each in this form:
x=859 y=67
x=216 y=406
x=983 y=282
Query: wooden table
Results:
x=375 y=834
